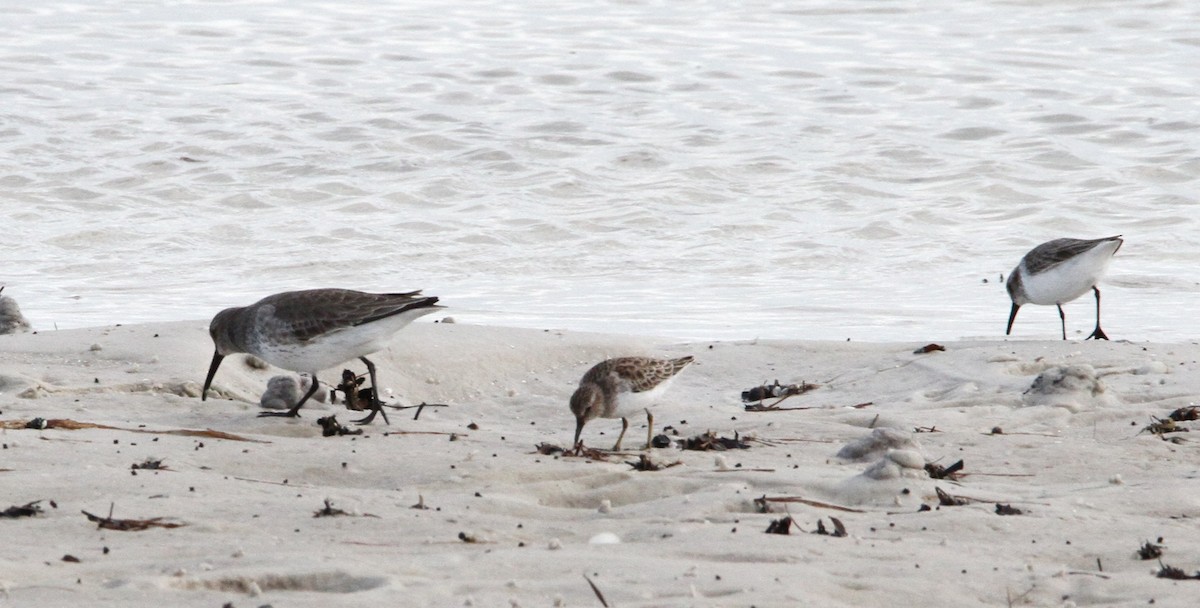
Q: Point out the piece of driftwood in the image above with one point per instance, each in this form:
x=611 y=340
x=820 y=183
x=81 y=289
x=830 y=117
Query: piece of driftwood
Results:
x=929 y=348
x=130 y=525
x=937 y=471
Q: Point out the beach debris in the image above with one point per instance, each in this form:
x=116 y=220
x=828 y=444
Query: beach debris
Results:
x=1150 y=550
x=1173 y=573
x=643 y=463
x=329 y=511
x=420 y=506
x=130 y=525
x=660 y=441
x=1008 y=510
x=596 y=590
x=581 y=451
x=1161 y=426
x=71 y=559
x=548 y=449
x=330 y=427
x=937 y=471
x=28 y=509
x=467 y=538
x=67 y=424
x=763 y=504
x=150 y=464
x=839 y=530
x=929 y=348
x=710 y=441
x=948 y=500
x=753 y=398
x=1185 y=414
x=37 y=424
x=357 y=398
x=781 y=526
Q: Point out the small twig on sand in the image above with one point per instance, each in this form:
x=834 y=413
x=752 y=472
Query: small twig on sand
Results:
x=596 y=590
x=420 y=407
x=764 y=507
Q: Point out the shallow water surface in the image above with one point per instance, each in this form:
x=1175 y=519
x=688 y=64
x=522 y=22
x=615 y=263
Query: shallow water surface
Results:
x=832 y=170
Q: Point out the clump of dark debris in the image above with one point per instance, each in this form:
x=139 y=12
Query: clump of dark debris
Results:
x=1173 y=573
x=1150 y=550
x=937 y=471
x=710 y=441
x=1008 y=510
x=26 y=510
x=643 y=463
x=150 y=464
x=839 y=530
x=781 y=526
x=330 y=427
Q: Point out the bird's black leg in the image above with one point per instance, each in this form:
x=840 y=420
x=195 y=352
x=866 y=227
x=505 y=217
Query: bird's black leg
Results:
x=295 y=411
x=376 y=407
x=1063 y=316
x=1097 y=334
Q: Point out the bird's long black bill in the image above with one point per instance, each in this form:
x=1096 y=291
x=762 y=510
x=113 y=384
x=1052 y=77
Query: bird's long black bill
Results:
x=578 y=430
x=212 y=371
x=1012 y=316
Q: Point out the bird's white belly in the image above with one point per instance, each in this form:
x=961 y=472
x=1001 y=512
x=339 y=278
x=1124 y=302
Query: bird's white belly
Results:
x=634 y=404
x=1068 y=280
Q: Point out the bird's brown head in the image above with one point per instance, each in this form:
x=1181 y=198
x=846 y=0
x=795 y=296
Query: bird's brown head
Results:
x=223 y=331
x=586 y=404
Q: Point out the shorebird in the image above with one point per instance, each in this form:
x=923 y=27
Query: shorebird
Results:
x=1059 y=271
x=617 y=388
x=314 y=330
x=11 y=319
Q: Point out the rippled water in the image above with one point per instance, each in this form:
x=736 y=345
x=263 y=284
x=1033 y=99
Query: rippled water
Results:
x=827 y=169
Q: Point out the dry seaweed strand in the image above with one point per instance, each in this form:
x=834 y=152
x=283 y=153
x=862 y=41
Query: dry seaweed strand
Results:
x=67 y=424
x=764 y=504
x=130 y=525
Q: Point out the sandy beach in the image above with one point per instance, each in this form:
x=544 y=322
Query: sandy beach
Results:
x=1052 y=431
